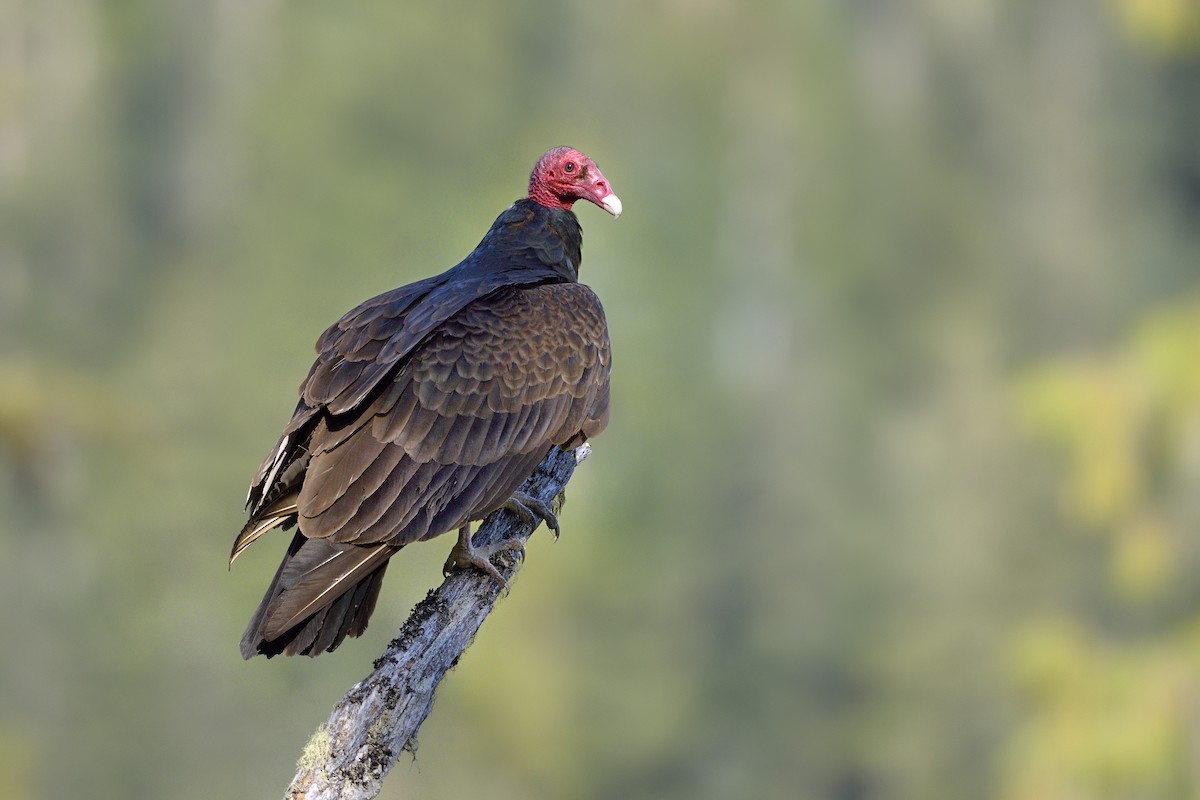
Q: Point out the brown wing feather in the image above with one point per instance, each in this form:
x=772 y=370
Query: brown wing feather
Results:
x=459 y=425
x=494 y=388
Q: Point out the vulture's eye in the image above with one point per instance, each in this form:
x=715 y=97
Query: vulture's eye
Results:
x=569 y=166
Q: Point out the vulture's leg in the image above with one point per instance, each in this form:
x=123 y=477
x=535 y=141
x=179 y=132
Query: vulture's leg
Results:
x=531 y=511
x=466 y=554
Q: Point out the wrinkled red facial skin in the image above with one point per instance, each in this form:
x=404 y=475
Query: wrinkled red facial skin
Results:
x=564 y=175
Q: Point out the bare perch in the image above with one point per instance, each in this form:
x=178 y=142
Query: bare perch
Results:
x=349 y=755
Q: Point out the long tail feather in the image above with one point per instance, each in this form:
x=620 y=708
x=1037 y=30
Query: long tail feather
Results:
x=321 y=593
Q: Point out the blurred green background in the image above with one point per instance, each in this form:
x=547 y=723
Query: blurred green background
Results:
x=899 y=496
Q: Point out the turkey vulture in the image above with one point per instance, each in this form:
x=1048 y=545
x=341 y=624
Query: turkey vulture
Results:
x=426 y=409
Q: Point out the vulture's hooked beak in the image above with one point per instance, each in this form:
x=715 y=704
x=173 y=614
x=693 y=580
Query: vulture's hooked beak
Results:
x=612 y=204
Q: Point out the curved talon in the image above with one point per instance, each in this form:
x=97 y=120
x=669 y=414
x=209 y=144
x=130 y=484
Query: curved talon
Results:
x=465 y=554
x=532 y=510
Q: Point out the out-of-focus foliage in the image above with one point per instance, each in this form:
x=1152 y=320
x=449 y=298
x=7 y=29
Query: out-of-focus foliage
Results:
x=1110 y=688
x=1129 y=426
x=869 y=303
x=1172 y=25
x=1105 y=720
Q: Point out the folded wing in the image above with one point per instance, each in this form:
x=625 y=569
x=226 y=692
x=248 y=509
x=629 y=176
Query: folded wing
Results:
x=444 y=437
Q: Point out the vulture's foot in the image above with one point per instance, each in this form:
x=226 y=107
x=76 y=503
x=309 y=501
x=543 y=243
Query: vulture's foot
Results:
x=532 y=511
x=466 y=554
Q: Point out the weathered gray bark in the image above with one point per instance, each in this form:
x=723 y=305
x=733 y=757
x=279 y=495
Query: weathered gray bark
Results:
x=349 y=755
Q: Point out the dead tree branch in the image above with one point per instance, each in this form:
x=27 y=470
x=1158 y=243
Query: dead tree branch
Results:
x=349 y=755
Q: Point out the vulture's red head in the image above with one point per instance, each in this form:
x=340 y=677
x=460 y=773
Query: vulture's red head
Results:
x=564 y=175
